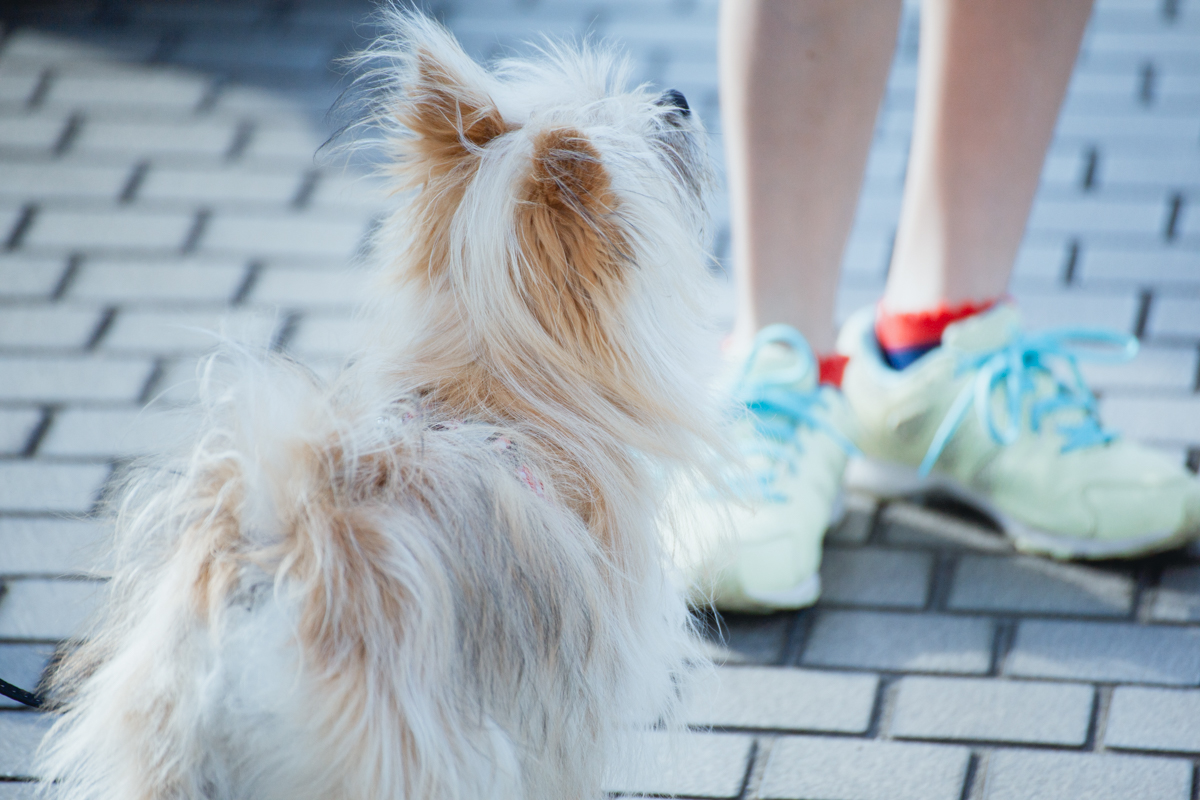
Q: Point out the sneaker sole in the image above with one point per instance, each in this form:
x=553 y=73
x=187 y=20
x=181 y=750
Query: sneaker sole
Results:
x=802 y=595
x=886 y=479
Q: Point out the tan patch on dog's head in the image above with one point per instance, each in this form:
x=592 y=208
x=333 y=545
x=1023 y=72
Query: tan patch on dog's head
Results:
x=449 y=123
x=574 y=253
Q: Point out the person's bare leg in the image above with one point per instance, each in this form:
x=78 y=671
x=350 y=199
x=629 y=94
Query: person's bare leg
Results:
x=801 y=83
x=992 y=75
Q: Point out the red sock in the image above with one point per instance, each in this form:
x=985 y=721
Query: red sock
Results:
x=907 y=336
x=830 y=368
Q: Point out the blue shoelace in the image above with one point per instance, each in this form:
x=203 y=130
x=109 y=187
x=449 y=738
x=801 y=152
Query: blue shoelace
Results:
x=778 y=409
x=1016 y=365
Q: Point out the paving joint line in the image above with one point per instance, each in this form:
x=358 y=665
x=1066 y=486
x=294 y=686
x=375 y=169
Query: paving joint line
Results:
x=1145 y=298
x=157 y=372
x=196 y=233
x=1175 y=204
x=24 y=221
x=1004 y=635
x=941 y=581
x=68 y=135
x=106 y=321
x=133 y=183
x=760 y=759
x=34 y=441
x=40 y=89
x=970 y=776
x=286 y=332
x=883 y=708
x=1098 y=722
x=249 y=281
x=796 y=637
x=1071 y=263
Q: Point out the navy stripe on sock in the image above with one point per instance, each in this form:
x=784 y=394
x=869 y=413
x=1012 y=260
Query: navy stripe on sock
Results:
x=904 y=356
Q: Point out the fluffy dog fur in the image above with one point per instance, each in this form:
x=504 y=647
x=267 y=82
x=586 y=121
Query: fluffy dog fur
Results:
x=438 y=577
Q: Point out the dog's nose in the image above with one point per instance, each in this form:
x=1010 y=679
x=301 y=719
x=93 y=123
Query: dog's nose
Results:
x=674 y=97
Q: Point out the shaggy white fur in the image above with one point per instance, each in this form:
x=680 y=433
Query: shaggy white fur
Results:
x=440 y=575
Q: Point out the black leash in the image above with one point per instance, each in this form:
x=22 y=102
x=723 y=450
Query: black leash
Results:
x=20 y=695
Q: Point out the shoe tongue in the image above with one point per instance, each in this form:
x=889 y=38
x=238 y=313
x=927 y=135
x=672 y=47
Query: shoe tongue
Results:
x=778 y=362
x=982 y=332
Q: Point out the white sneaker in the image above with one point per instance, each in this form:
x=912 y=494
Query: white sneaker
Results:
x=1003 y=420
x=764 y=554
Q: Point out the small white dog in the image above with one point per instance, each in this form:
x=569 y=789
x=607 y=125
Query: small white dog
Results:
x=440 y=576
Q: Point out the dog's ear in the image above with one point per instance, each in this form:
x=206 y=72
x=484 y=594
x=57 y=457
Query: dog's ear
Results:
x=446 y=110
x=573 y=251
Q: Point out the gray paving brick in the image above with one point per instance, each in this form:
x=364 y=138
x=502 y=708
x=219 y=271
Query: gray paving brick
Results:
x=309 y=288
x=295 y=235
x=27 y=45
x=1031 y=775
x=107 y=88
x=39 y=181
x=803 y=767
x=23 y=276
x=291 y=144
x=20 y=734
x=688 y=765
x=338 y=193
x=17 y=87
x=1160 y=368
x=1041 y=311
x=272 y=107
x=8 y=220
x=38 y=487
x=188 y=280
x=855 y=527
x=1162 y=418
x=1141 y=718
x=47 y=326
x=178 y=384
x=1041 y=262
x=122 y=230
x=162 y=332
x=1175 y=317
x=1143 y=129
x=986 y=709
x=748 y=638
x=22 y=665
x=908 y=524
x=785 y=699
x=221 y=187
x=51 y=380
x=16 y=426
x=1097 y=651
x=1177 y=598
x=51 y=546
x=210 y=138
x=875 y=577
x=1148 y=171
x=114 y=433
x=1021 y=584
x=34 y=608
x=1138 y=266
x=31 y=133
x=893 y=641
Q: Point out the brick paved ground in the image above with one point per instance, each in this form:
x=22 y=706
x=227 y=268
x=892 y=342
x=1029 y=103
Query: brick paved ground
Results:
x=157 y=179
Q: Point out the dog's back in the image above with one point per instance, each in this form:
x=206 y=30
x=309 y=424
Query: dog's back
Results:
x=439 y=577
